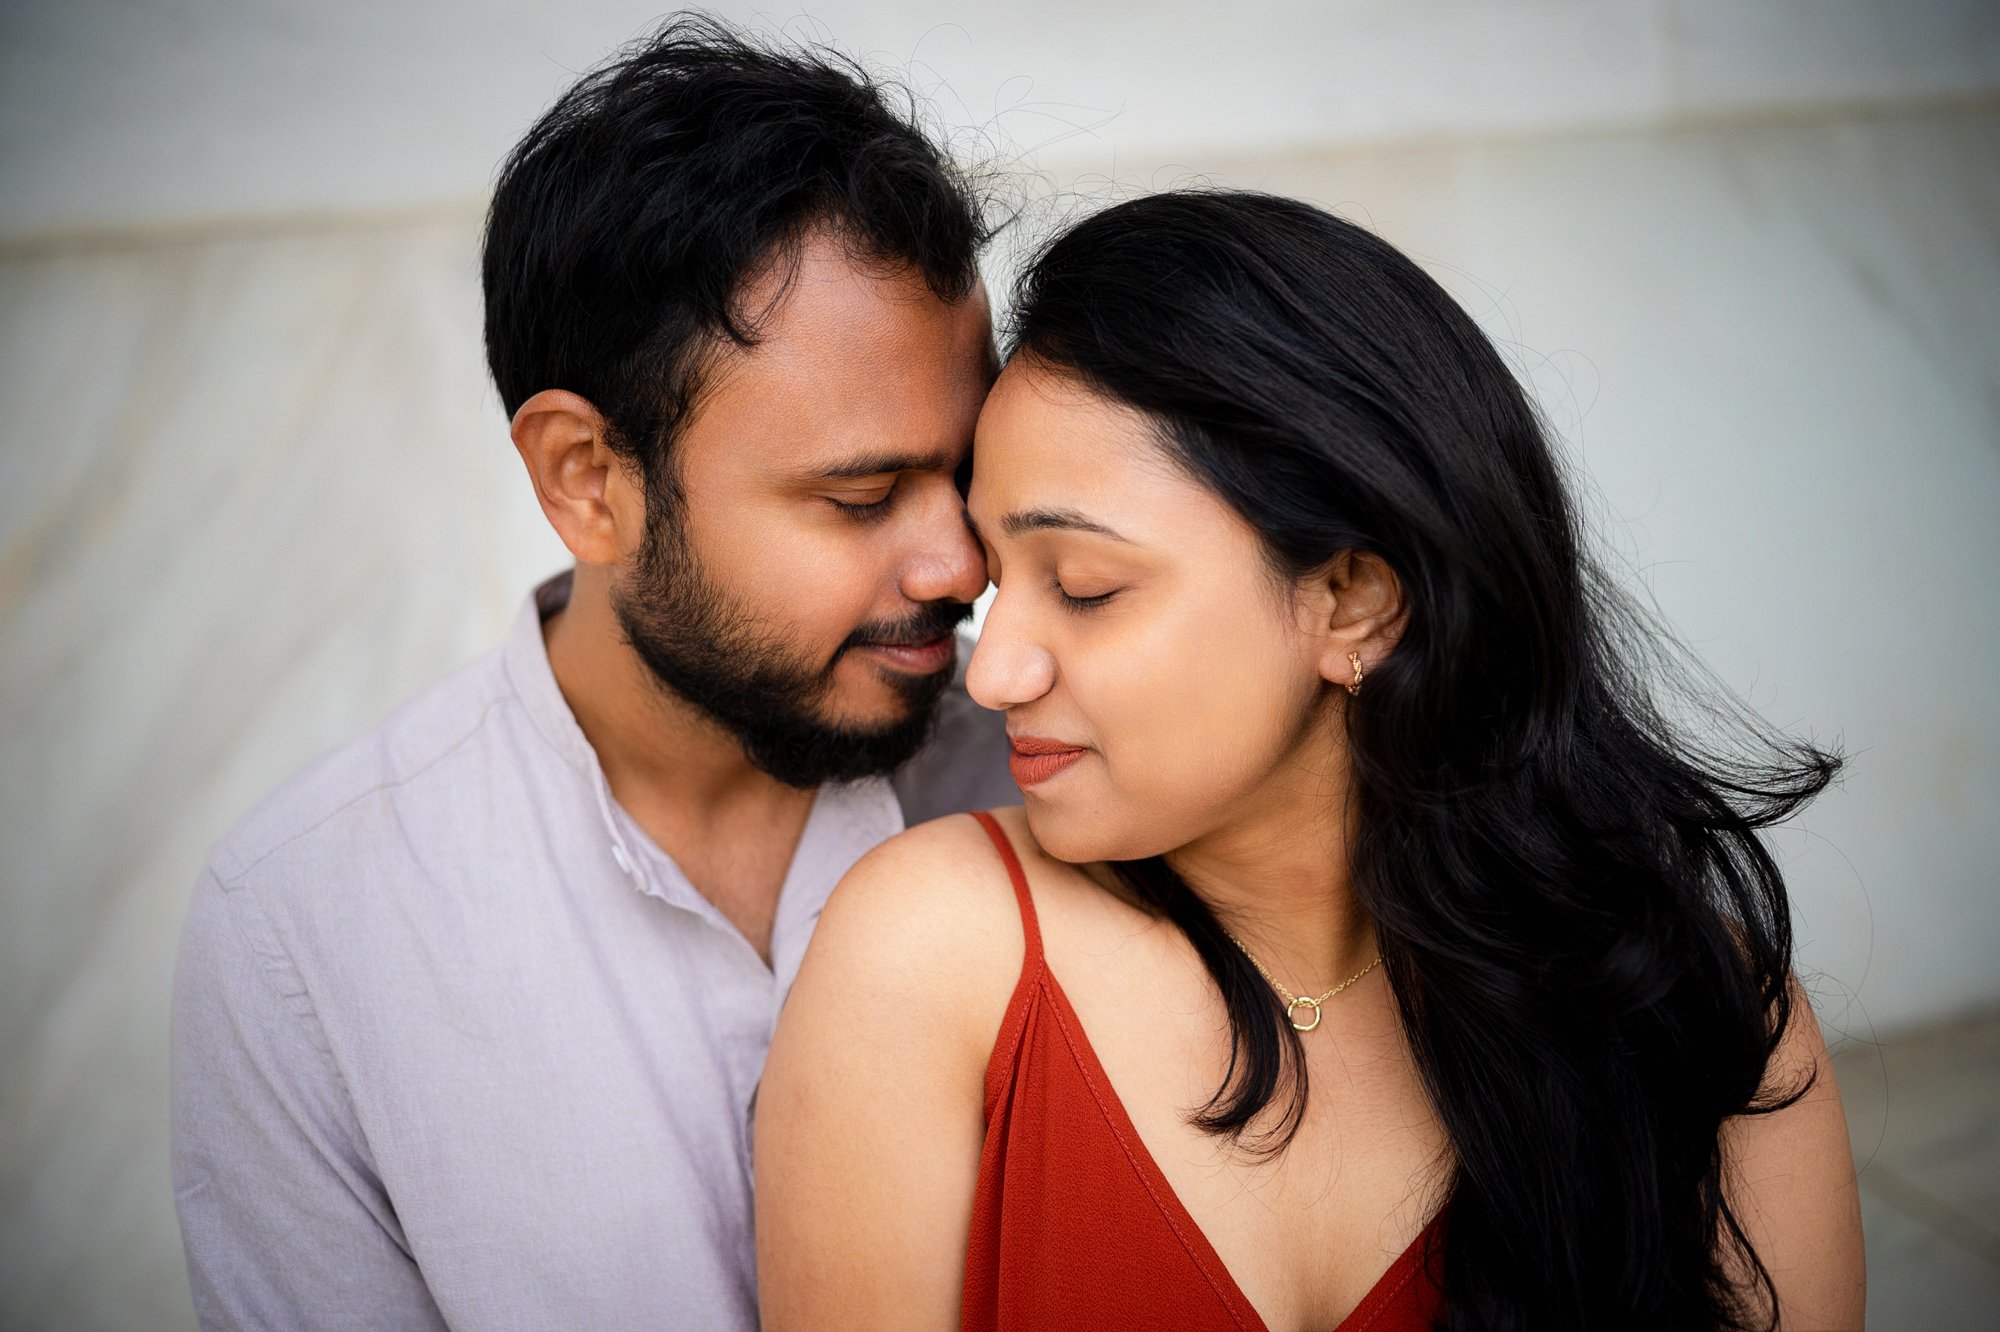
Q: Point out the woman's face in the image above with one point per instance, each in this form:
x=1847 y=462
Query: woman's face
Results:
x=1138 y=636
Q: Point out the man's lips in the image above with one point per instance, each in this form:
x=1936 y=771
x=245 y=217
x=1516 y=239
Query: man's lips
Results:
x=1036 y=759
x=925 y=657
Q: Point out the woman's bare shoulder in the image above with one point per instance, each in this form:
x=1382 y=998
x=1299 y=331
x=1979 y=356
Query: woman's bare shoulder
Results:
x=1791 y=1179
x=931 y=875
x=871 y=1111
x=930 y=915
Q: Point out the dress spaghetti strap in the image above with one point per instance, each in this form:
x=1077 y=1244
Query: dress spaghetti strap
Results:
x=1030 y=927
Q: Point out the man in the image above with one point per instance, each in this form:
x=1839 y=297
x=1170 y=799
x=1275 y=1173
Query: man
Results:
x=470 y=1014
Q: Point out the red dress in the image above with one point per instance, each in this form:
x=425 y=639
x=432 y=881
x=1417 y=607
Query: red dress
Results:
x=1073 y=1224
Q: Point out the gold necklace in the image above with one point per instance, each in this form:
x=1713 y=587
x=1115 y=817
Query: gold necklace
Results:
x=1294 y=1002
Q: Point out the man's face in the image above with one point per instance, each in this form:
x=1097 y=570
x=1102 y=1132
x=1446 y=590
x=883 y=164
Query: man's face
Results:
x=802 y=587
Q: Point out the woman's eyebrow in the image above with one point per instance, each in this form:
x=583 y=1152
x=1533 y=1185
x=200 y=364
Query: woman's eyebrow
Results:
x=1023 y=521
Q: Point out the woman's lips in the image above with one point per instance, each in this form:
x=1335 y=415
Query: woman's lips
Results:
x=917 y=658
x=1035 y=759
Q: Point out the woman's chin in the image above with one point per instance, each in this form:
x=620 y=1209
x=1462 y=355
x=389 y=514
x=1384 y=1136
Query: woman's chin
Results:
x=1083 y=836
x=1059 y=832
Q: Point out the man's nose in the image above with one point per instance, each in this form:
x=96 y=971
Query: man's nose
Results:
x=947 y=563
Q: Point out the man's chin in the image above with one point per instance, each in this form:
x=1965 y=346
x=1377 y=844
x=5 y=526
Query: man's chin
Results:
x=808 y=754
x=874 y=712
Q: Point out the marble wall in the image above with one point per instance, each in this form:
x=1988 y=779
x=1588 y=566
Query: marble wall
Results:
x=115 y=115
x=254 y=490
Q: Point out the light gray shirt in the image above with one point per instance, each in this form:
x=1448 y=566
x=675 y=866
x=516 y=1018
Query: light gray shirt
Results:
x=455 y=1044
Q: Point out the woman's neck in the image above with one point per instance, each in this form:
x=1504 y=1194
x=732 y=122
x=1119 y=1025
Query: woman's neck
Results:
x=1277 y=875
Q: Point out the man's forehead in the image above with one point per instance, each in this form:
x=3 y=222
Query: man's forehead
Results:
x=856 y=371
x=825 y=284
x=839 y=342
x=828 y=431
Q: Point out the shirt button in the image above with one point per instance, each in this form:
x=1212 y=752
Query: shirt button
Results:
x=624 y=861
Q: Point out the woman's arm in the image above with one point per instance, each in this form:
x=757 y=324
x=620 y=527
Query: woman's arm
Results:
x=871 y=1114
x=1790 y=1179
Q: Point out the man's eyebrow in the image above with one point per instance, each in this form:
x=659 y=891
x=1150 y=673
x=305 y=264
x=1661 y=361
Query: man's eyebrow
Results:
x=1023 y=521
x=883 y=463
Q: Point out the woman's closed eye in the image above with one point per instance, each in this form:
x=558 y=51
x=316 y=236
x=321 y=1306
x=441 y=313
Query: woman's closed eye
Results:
x=1081 y=599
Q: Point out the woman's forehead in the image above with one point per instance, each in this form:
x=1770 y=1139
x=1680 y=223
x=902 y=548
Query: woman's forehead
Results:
x=1052 y=453
x=1041 y=424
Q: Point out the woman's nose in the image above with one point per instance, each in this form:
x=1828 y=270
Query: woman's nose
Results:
x=1008 y=667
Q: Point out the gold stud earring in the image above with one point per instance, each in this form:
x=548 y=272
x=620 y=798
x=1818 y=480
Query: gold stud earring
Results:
x=1354 y=688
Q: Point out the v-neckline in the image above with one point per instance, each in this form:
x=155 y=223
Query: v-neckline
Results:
x=1387 y=1287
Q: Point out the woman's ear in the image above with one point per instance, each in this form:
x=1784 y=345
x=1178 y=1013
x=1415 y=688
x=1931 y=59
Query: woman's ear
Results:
x=591 y=496
x=1357 y=606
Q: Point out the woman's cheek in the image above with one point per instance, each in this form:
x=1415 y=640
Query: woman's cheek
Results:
x=1169 y=748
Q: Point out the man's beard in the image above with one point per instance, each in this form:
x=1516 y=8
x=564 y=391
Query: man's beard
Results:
x=708 y=652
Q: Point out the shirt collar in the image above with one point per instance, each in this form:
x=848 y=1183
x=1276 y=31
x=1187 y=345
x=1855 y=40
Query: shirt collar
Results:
x=527 y=660
x=847 y=820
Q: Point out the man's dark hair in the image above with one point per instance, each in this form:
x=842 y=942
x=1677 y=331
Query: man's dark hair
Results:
x=625 y=225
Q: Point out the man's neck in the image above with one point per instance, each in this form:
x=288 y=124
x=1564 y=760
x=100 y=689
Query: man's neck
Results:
x=683 y=779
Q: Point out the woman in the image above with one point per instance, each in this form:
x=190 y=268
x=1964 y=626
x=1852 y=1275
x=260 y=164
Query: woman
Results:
x=1370 y=953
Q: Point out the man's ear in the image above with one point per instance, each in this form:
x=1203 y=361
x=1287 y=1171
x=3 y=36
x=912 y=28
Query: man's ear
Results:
x=1356 y=604
x=591 y=496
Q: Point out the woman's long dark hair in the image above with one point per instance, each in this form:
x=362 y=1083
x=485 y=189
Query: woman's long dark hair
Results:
x=1589 y=944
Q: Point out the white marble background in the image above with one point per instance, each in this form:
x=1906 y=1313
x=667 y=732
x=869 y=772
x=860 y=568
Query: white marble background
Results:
x=254 y=488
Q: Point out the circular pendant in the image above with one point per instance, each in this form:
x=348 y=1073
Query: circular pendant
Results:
x=1292 y=1012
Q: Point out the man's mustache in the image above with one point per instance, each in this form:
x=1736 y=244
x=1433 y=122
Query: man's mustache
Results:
x=931 y=620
